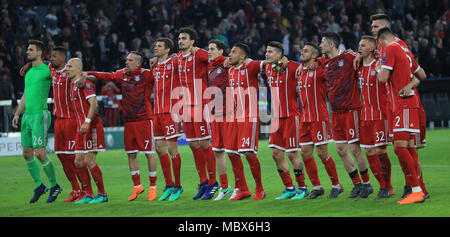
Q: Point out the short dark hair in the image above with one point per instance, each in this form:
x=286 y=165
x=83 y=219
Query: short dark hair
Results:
x=380 y=16
x=60 y=49
x=383 y=32
x=220 y=44
x=370 y=38
x=315 y=48
x=244 y=48
x=168 y=43
x=39 y=44
x=139 y=54
x=335 y=38
x=191 y=32
x=278 y=45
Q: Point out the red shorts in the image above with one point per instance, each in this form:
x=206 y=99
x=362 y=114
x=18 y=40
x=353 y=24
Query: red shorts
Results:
x=194 y=122
x=374 y=133
x=247 y=135
x=405 y=122
x=65 y=135
x=345 y=126
x=317 y=133
x=230 y=140
x=93 y=140
x=284 y=134
x=164 y=127
x=138 y=136
x=219 y=133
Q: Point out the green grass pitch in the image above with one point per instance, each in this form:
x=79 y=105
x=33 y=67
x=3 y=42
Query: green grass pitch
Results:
x=16 y=189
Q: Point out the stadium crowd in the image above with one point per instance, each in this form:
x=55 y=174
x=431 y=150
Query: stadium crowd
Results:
x=102 y=32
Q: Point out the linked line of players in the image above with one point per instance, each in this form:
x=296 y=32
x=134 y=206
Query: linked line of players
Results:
x=372 y=95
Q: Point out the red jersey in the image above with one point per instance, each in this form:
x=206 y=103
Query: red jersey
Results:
x=62 y=107
x=283 y=90
x=402 y=66
x=373 y=93
x=311 y=89
x=397 y=40
x=244 y=81
x=192 y=70
x=166 y=79
x=217 y=80
x=79 y=98
x=341 y=83
x=137 y=88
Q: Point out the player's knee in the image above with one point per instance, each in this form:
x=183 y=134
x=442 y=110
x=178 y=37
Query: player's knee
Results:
x=322 y=153
x=342 y=150
x=79 y=163
x=40 y=153
x=204 y=144
x=160 y=150
x=173 y=151
x=371 y=151
x=194 y=145
x=306 y=153
x=27 y=153
x=293 y=156
x=248 y=154
x=355 y=149
x=276 y=154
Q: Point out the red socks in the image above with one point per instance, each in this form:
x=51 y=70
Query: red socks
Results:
x=407 y=164
x=136 y=177
x=355 y=177
x=67 y=161
x=255 y=168
x=238 y=170
x=286 y=178
x=330 y=167
x=200 y=164
x=210 y=159
x=166 y=169
x=385 y=169
x=85 y=179
x=152 y=178
x=223 y=181
x=311 y=170
x=176 y=167
x=97 y=176
x=415 y=156
x=375 y=166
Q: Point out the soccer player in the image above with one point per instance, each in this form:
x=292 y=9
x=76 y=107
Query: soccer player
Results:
x=192 y=68
x=166 y=130
x=397 y=69
x=345 y=104
x=217 y=82
x=315 y=126
x=285 y=126
x=36 y=122
x=65 y=124
x=380 y=21
x=90 y=137
x=244 y=82
x=374 y=124
x=137 y=87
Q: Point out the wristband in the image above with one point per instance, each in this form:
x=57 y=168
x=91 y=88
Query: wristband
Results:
x=88 y=120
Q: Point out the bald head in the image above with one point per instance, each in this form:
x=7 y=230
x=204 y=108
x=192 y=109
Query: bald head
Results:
x=74 y=68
